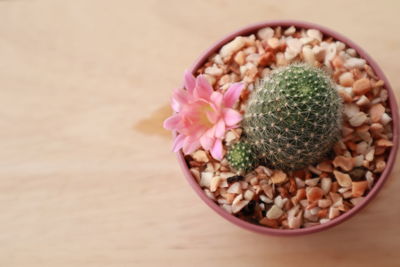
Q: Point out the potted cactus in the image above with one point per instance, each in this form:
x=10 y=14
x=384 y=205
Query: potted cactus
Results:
x=285 y=128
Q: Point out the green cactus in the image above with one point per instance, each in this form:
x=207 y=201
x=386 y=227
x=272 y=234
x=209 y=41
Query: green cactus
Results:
x=294 y=117
x=241 y=156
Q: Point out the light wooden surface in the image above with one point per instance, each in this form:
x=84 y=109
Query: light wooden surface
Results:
x=86 y=173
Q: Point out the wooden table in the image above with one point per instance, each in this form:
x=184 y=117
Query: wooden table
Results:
x=86 y=173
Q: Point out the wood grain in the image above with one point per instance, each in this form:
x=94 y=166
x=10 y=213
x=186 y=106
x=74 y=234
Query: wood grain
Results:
x=86 y=173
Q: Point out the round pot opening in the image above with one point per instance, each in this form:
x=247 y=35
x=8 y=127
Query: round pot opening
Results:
x=378 y=183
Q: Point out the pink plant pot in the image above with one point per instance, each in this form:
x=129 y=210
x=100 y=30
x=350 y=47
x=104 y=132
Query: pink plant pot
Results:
x=379 y=183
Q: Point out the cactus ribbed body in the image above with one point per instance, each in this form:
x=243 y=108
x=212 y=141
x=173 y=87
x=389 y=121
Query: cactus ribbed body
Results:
x=241 y=156
x=293 y=117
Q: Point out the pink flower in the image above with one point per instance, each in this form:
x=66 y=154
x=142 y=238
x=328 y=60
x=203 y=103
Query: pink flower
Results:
x=203 y=115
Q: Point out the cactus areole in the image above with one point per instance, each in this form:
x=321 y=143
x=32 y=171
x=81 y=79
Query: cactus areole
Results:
x=293 y=117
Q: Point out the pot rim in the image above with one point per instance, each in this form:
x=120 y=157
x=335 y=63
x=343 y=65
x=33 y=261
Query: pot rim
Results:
x=378 y=184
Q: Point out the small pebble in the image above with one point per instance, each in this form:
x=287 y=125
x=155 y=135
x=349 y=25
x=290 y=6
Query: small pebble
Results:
x=358 y=174
x=350 y=110
x=380 y=166
x=315 y=34
x=235 y=178
x=319 y=53
x=314 y=194
x=295 y=217
x=376 y=111
x=312 y=182
x=269 y=222
x=385 y=119
x=325 y=166
x=274 y=212
x=362 y=86
x=363 y=101
x=384 y=143
x=358 y=119
x=333 y=212
x=240 y=58
x=239 y=206
x=289 y=31
x=353 y=62
x=278 y=177
x=358 y=188
x=345 y=163
x=346 y=79
x=273 y=43
x=361 y=148
x=230 y=48
x=326 y=184
x=200 y=156
x=235 y=188
x=248 y=195
x=265 y=33
x=215 y=181
x=214 y=71
x=343 y=179
x=308 y=55
x=324 y=203
x=205 y=179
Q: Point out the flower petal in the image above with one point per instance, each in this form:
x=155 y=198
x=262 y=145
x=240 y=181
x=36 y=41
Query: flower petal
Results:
x=175 y=105
x=207 y=142
x=172 y=122
x=220 y=129
x=217 y=150
x=216 y=98
x=180 y=96
x=178 y=142
x=213 y=115
x=203 y=89
x=232 y=94
x=231 y=116
x=211 y=132
x=189 y=82
x=190 y=145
